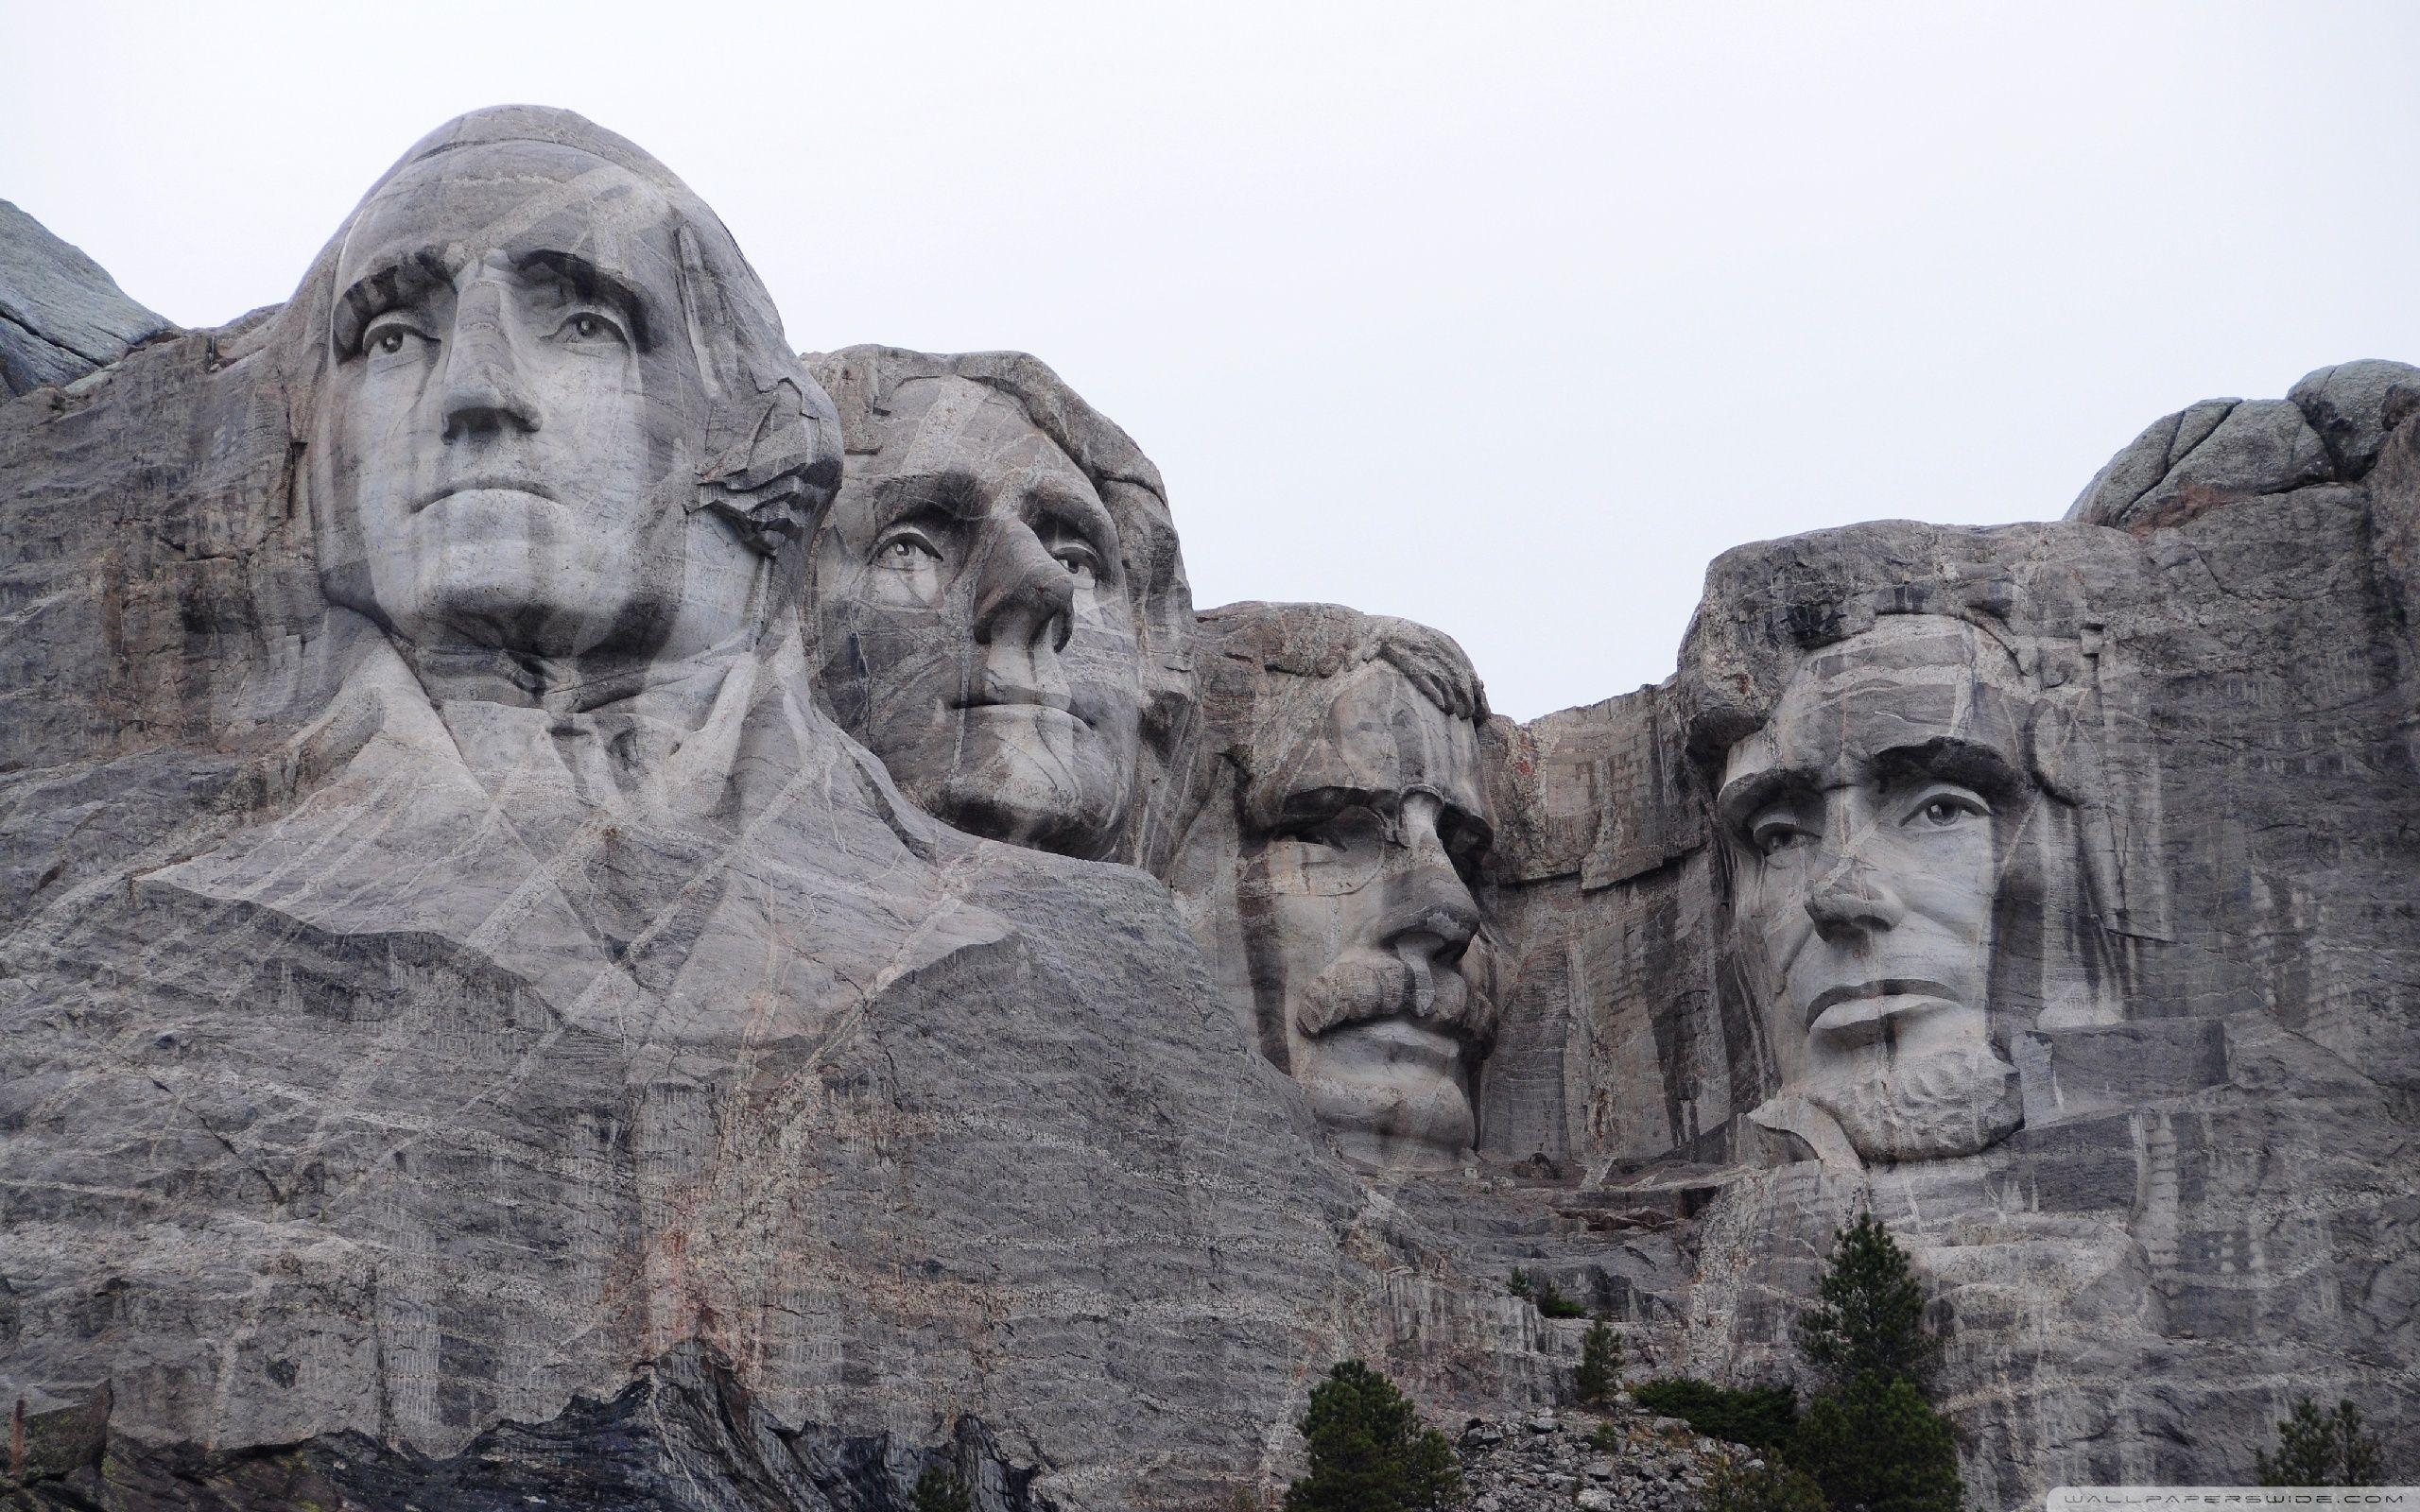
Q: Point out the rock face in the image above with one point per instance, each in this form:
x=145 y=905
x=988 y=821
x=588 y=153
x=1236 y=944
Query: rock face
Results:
x=2196 y=973
x=62 y=315
x=1600 y=1462
x=597 y=907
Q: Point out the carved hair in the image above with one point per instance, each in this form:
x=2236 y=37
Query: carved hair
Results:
x=770 y=458
x=1263 y=666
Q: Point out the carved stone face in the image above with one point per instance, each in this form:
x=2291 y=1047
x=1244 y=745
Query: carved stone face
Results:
x=974 y=623
x=1871 y=819
x=504 y=446
x=1371 y=975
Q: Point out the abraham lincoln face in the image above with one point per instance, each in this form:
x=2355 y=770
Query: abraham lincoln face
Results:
x=1871 y=822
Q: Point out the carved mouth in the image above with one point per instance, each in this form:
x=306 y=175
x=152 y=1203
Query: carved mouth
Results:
x=1399 y=1040
x=1865 y=1003
x=1028 y=699
x=489 y=485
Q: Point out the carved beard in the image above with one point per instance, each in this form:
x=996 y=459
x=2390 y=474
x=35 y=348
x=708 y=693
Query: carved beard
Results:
x=1927 y=1107
x=1370 y=985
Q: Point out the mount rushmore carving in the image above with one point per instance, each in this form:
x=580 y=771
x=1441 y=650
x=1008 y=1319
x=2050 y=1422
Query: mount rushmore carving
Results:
x=580 y=878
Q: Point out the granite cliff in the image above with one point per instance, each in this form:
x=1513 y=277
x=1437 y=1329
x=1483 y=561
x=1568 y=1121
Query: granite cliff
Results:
x=599 y=908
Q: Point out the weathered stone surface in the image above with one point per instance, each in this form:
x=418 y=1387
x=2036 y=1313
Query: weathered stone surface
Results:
x=2168 y=1244
x=686 y=1437
x=999 y=607
x=62 y=315
x=1619 y=1458
x=492 y=1015
x=382 y=1061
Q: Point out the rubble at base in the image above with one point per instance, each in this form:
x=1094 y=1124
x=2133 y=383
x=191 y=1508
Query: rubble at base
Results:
x=1552 y=1459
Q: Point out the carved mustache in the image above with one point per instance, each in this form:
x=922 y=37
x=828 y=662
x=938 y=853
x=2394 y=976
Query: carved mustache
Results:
x=1405 y=981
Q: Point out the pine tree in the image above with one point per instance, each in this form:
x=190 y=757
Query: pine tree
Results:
x=940 y=1490
x=2322 y=1449
x=1768 y=1486
x=1870 y=1313
x=1367 y=1451
x=1871 y=1441
x=2364 y=1458
x=1876 y=1445
x=1600 y=1365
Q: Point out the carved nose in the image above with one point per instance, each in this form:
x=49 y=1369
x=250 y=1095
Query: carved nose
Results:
x=1853 y=899
x=484 y=396
x=1025 y=597
x=1434 y=907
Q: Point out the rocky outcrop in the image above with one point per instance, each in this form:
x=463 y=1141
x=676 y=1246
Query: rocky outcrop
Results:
x=2170 y=1245
x=1620 y=1459
x=62 y=315
x=482 y=1025
x=684 y=1436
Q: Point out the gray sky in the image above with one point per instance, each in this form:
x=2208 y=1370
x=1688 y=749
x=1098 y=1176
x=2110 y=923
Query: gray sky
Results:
x=1503 y=318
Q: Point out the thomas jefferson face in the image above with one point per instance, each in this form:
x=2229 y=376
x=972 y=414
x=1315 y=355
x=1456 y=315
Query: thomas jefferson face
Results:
x=1870 y=819
x=1355 y=891
x=974 y=623
x=504 y=457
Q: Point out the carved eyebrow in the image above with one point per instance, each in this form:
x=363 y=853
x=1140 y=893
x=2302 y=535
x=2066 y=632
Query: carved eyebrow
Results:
x=391 y=284
x=1750 y=795
x=951 y=492
x=1968 y=763
x=1055 y=503
x=595 y=284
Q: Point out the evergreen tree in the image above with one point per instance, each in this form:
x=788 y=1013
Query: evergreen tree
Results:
x=1368 y=1452
x=2322 y=1449
x=1871 y=1441
x=1876 y=1445
x=1600 y=1365
x=2364 y=1458
x=941 y=1490
x=1869 y=1315
x=1769 y=1485
x=1761 y=1417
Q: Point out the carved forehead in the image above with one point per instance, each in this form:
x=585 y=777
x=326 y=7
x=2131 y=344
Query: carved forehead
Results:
x=954 y=424
x=1910 y=682
x=1369 y=731
x=519 y=198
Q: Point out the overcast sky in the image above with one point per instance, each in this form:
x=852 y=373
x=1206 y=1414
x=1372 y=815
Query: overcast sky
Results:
x=1503 y=318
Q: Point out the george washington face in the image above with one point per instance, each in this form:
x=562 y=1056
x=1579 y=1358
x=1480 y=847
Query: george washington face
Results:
x=504 y=444
x=1870 y=821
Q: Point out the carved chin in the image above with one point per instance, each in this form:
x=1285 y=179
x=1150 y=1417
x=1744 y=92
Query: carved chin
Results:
x=1927 y=1107
x=1071 y=807
x=1413 y=1118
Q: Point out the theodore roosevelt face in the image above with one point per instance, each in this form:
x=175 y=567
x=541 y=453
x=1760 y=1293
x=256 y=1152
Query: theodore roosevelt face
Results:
x=1870 y=820
x=1357 y=896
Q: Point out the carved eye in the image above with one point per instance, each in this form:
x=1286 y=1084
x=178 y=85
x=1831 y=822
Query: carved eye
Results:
x=1349 y=829
x=1080 y=563
x=905 y=549
x=1773 y=836
x=388 y=336
x=587 y=326
x=1944 y=810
